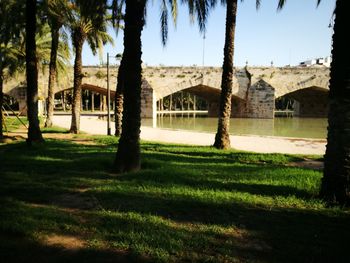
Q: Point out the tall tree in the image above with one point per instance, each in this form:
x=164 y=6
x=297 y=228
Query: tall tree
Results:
x=119 y=100
x=34 y=133
x=11 y=24
x=128 y=153
x=117 y=17
x=93 y=30
x=1 y=97
x=335 y=186
x=222 y=137
x=56 y=10
x=117 y=7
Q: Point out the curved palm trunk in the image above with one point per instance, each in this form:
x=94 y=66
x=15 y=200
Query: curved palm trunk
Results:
x=128 y=154
x=1 y=101
x=336 y=178
x=34 y=133
x=119 y=98
x=52 y=74
x=78 y=40
x=222 y=138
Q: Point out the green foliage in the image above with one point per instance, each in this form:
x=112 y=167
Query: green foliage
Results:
x=194 y=204
x=88 y=26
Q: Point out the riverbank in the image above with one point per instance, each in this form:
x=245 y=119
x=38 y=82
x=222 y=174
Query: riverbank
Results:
x=262 y=144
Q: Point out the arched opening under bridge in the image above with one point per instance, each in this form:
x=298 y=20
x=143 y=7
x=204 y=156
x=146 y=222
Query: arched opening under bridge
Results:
x=309 y=102
x=199 y=98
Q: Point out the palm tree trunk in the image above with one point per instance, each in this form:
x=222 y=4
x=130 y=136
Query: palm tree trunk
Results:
x=52 y=74
x=222 y=138
x=78 y=40
x=128 y=154
x=1 y=101
x=119 y=98
x=34 y=133
x=336 y=178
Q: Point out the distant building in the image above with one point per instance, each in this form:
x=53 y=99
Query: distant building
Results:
x=317 y=62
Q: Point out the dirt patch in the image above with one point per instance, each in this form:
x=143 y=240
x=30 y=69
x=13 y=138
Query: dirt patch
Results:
x=63 y=136
x=21 y=134
x=84 y=141
x=78 y=201
x=308 y=164
x=69 y=136
x=65 y=241
x=12 y=138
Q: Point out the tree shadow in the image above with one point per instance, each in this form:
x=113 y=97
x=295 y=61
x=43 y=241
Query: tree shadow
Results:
x=23 y=249
x=167 y=226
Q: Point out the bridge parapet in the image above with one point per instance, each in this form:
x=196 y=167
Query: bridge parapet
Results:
x=164 y=81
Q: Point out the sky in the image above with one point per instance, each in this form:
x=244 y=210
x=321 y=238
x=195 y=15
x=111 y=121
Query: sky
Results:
x=297 y=33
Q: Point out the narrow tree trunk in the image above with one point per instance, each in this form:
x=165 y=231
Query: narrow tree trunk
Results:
x=128 y=154
x=78 y=40
x=52 y=74
x=1 y=101
x=34 y=133
x=63 y=97
x=222 y=138
x=118 y=99
x=92 y=101
x=336 y=178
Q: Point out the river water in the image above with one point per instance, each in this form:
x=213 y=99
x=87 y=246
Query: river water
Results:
x=285 y=127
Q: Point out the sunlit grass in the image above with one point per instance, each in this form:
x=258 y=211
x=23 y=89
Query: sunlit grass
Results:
x=194 y=204
x=13 y=123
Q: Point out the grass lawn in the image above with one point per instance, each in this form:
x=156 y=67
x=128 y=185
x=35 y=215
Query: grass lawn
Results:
x=61 y=203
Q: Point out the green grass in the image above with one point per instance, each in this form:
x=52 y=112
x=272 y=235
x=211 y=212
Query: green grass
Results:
x=13 y=123
x=188 y=204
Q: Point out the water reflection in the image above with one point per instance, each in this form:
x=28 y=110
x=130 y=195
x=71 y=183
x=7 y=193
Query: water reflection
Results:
x=286 y=127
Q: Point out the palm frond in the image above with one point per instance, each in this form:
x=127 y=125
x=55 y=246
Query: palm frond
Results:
x=281 y=3
x=164 y=22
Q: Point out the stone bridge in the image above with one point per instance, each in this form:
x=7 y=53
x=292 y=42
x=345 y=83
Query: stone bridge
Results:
x=254 y=88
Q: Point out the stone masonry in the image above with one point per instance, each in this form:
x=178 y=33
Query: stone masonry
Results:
x=251 y=95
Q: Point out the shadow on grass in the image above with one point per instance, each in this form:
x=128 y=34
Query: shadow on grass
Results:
x=162 y=212
x=17 y=249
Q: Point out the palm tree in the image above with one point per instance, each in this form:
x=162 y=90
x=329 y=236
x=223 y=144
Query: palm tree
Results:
x=201 y=7
x=10 y=26
x=55 y=10
x=119 y=99
x=117 y=7
x=335 y=186
x=83 y=28
x=34 y=133
x=10 y=62
x=128 y=153
x=222 y=137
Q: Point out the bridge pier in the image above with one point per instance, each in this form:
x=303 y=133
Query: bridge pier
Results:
x=248 y=101
x=259 y=103
x=148 y=101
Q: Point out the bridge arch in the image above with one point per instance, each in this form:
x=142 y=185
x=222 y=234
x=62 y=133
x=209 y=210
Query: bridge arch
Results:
x=309 y=102
x=212 y=97
x=91 y=100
